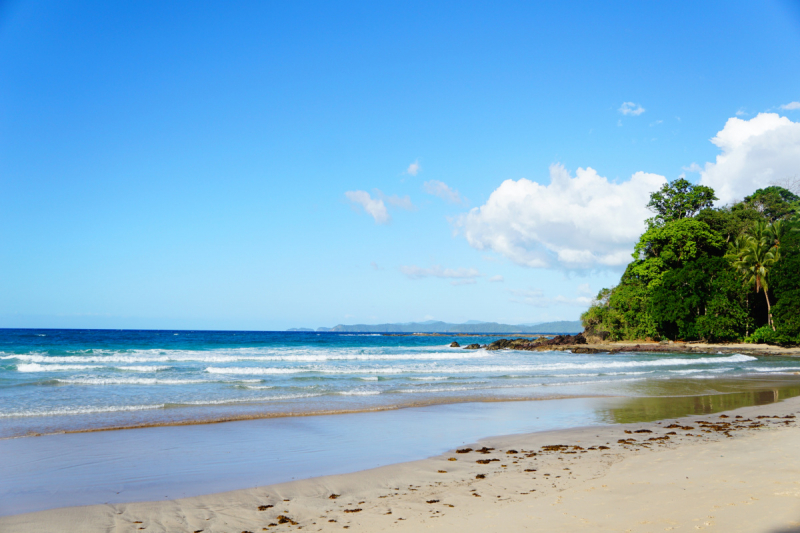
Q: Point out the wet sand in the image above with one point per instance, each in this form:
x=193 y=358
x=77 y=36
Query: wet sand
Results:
x=734 y=472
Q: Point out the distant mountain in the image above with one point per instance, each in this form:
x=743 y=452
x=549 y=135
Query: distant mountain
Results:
x=473 y=326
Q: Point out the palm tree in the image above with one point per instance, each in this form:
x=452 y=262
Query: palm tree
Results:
x=753 y=256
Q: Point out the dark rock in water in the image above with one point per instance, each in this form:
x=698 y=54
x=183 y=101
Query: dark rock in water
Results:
x=534 y=344
x=587 y=350
x=454 y=345
x=560 y=340
x=472 y=347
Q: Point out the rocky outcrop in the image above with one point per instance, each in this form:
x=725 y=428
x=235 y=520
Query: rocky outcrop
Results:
x=537 y=344
x=595 y=336
x=472 y=347
x=454 y=345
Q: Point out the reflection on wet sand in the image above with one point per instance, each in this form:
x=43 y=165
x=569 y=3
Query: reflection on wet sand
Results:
x=678 y=398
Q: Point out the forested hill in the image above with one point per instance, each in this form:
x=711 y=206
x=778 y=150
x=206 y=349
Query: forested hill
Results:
x=703 y=273
x=469 y=327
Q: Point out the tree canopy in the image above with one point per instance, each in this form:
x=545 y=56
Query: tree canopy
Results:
x=679 y=199
x=730 y=273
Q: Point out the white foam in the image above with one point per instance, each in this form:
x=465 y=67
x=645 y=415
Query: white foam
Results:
x=433 y=368
x=36 y=367
x=368 y=378
x=247 y=400
x=249 y=354
x=79 y=410
x=359 y=392
x=157 y=368
x=145 y=381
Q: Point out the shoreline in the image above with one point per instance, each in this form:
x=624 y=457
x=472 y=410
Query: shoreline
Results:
x=733 y=471
x=684 y=347
x=303 y=414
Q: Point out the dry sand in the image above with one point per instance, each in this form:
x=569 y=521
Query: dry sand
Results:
x=739 y=473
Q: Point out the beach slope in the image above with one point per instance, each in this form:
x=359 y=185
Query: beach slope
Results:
x=738 y=471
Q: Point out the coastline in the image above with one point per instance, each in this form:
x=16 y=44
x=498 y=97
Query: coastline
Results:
x=451 y=400
x=749 y=488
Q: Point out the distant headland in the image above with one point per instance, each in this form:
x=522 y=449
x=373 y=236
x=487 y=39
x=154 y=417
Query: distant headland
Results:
x=472 y=326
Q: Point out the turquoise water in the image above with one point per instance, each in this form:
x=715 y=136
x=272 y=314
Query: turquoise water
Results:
x=57 y=380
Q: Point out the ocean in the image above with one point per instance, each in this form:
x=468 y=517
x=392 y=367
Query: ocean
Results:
x=54 y=381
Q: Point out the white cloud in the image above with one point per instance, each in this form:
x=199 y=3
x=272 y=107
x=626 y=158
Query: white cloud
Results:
x=656 y=123
x=372 y=206
x=497 y=279
x=581 y=222
x=741 y=112
x=443 y=191
x=755 y=154
x=791 y=106
x=584 y=289
x=403 y=202
x=436 y=271
x=629 y=108
x=694 y=167
x=413 y=168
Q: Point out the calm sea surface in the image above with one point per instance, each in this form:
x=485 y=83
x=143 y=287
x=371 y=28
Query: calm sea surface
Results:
x=57 y=380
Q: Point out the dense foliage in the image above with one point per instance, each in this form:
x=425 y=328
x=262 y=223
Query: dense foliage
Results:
x=703 y=273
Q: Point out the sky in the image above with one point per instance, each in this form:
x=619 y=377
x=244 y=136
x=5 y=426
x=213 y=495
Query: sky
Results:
x=267 y=165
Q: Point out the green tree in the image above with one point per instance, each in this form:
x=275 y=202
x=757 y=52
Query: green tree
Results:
x=753 y=256
x=786 y=284
x=679 y=199
x=702 y=299
x=773 y=203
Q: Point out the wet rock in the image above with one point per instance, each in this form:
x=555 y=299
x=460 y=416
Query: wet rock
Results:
x=586 y=350
x=454 y=345
x=473 y=346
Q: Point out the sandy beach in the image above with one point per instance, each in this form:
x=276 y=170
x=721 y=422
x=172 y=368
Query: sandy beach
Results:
x=733 y=471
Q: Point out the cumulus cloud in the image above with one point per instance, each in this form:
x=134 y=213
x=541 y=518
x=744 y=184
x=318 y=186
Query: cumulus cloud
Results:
x=629 y=108
x=497 y=279
x=372 y=206
x=436 y=271
x=443 y=191
x=576 y=222
x=791 y=106
x=754 y=154
x=413 y=168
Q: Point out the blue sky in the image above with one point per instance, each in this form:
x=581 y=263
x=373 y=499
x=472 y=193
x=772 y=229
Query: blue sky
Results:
x=186 y=165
